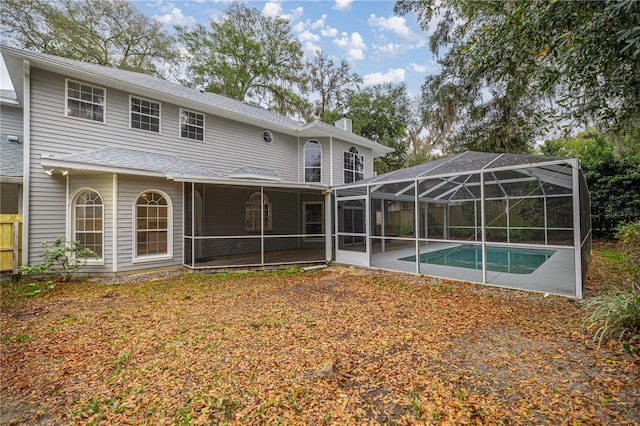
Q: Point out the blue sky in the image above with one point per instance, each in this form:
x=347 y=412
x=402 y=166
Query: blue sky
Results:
x=379 y=45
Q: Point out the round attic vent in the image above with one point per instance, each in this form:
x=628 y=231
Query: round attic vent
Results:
x=267 y=136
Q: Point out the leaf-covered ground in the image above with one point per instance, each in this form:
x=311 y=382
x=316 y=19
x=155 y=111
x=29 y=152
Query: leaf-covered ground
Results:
x=337 y=346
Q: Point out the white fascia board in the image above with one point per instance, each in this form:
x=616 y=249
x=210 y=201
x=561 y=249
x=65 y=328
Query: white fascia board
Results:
x=73 y=165
x=238 y=182
x=314 y=130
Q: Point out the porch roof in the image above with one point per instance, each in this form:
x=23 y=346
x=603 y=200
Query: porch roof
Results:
x=143 y=163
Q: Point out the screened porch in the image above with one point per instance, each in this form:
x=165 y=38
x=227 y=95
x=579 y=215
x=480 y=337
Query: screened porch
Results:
x=230 y=226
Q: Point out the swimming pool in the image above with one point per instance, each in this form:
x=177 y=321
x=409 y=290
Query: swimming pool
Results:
x=514 y=260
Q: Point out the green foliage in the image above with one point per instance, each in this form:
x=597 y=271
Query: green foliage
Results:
x=62 y=258
x=249 y=57
x=110 y=33
x=629 y=235
x=611 y=167
x=615 y=314
x=380 y=113
x=35 y=288
x=330 y=81
x=512 y=69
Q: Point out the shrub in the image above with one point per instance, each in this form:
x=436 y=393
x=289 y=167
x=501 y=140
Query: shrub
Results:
x=62 y=259
x=629 y=235
x=616 y=314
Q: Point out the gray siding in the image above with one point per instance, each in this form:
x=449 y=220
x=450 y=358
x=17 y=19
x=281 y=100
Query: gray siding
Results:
x=227 y=145
x=129 y=188
x=10 y=120
x=339 y=148
x=103 y=185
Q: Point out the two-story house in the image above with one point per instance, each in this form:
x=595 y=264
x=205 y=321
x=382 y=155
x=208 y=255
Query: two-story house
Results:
x=149 y=173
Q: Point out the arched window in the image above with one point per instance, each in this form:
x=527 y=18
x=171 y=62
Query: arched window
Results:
x=153 y=224
x=353 y=165
x=312 y=161
x=253 y=213
x=87 y=220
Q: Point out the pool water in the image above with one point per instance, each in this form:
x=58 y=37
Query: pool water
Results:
x=513 y=260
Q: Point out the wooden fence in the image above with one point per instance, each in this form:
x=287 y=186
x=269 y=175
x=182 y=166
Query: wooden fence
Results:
x=10 y=242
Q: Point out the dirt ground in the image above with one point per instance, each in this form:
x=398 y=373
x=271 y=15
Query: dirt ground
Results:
x=335 y=346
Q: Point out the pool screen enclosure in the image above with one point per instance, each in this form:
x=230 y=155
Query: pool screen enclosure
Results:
x=508 y=220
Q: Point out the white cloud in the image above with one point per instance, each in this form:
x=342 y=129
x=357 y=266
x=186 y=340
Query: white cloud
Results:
x=395 y=24
x=272 y=9
x=309 y=49
x=175 y=17
x=343 y=5
x=419 y=68
x=307 y=35
x=391 y=76
x=353 y=46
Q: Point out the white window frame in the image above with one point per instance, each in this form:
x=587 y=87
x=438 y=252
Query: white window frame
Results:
x=316 y=238
x=353 y=153
x=253 y=208
x=67 y=98
x=131 y=112
x=311 y=143
x=181 y=123
x=71 y=227
x=152 y=257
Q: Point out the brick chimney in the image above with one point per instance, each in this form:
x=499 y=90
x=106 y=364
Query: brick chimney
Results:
x=344 y=124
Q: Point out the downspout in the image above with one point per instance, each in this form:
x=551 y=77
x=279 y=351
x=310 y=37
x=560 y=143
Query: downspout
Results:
x=26 y=161
x=328 y=225
x=331 y=161
x=114 y=226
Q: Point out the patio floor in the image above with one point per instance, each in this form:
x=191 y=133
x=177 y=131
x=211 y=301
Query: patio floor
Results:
x=554 y=276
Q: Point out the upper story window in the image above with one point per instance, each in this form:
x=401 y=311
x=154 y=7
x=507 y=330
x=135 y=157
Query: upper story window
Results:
x=85 y=101
x=353 y=165
x=191 y=125
x=145 y=114
x=87 y=216
x=312 y=161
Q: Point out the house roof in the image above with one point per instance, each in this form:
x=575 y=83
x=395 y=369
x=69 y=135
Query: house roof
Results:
x=143 y=163
x=129 y=161
x=164 y=90
x=11 y=158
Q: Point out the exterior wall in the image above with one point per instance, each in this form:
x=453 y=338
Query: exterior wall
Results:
x=227 y=145
x=10 y=120
x=339 y=148
x=129 y=188
x=103 y=185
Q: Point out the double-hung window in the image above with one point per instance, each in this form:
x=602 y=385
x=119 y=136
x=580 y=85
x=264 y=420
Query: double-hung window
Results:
x=85 y=101
x=191 y=125
x=353 y=165
x=145 y=114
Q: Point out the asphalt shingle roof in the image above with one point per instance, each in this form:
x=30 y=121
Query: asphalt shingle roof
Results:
x=138 y=160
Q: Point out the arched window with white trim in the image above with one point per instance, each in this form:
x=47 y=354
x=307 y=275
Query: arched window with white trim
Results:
x=312 y=161
x=253 y=213
x=87 y=218
x=153 y=225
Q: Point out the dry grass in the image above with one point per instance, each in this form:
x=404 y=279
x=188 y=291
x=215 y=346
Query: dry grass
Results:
x=339 y=346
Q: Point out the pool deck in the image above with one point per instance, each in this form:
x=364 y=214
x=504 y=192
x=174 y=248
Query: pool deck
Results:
x=555 y=276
